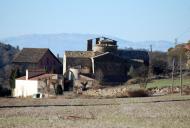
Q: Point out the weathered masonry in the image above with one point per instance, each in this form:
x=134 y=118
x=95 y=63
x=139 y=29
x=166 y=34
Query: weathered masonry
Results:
x=37 y=58
x=103 y=60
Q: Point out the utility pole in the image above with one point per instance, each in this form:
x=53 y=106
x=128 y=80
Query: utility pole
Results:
x=150 y=62
x=173 y=65
x=173 y=68
x=181 y=89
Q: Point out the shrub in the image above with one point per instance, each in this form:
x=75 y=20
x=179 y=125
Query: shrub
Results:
x=4 y=92
x=186 y=90
x=59 y=90
x=138 y=93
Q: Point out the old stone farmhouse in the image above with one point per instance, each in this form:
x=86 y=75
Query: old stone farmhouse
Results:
x=103 y=61
x=41 y=72
x=37 y=58
x=37 y=82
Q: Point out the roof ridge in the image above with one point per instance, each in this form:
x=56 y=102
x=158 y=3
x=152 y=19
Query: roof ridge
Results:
x=31 y=55
x=35 y=48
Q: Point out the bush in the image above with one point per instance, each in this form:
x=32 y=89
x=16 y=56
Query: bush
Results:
x=159 y=63
x=4 y=92
x=159 y=67
x=186 y=90
x=59 y=90
x=138 y=93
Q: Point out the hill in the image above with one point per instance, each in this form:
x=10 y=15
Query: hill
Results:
x=58 y=43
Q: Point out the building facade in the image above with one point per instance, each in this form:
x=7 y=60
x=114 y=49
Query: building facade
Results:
x=45 y=84
x=103 y=60
x=37 y=58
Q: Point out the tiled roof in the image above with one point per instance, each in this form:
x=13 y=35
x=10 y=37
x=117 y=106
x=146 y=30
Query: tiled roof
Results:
x=31 y=55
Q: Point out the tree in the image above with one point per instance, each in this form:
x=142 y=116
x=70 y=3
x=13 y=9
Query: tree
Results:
x=159 y=63
x=159 y=67
x=174 y=53
x=14 y=74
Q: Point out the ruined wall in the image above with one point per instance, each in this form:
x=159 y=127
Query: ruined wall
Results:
x=84 y=63
x=109 y=68
x=110 y=72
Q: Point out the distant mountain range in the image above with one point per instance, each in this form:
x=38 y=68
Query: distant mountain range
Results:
x=58 y=43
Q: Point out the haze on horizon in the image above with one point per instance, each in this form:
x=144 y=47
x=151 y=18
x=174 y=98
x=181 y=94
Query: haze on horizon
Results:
x=134 y=20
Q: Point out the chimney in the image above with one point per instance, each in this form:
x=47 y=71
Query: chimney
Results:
x=26 y=74
x=97 y=40
x=89 y=45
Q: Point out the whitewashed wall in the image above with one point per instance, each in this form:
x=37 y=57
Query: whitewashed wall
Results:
x=25 y=88
x=64 y=64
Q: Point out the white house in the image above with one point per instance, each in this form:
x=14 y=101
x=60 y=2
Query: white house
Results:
x=28 y=86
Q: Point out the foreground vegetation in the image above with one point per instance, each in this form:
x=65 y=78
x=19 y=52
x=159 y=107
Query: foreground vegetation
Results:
x=160 y=83
x=158 y=112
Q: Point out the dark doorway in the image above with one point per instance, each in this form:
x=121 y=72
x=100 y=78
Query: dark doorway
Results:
x=68 y=85
x=68 y=80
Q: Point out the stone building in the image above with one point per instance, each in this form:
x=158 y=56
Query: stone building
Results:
x=38 y=83
x=103 y=61
x=41 y=72
x=37 y=58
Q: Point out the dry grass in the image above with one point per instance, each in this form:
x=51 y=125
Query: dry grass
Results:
x=158 y=112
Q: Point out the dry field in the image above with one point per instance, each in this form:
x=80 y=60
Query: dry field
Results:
x=150 y=112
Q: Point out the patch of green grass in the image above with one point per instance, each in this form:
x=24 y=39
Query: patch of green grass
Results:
x=167 y=82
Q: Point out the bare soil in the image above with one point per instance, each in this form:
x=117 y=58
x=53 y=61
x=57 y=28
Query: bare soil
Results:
x=171 y=111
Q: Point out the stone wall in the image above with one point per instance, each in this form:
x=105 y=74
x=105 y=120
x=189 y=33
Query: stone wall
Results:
x=51 y=63
x=84 y=63
x=111 y=68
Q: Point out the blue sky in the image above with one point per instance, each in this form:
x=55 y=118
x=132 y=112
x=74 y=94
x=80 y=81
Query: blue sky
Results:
x=134 y=20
